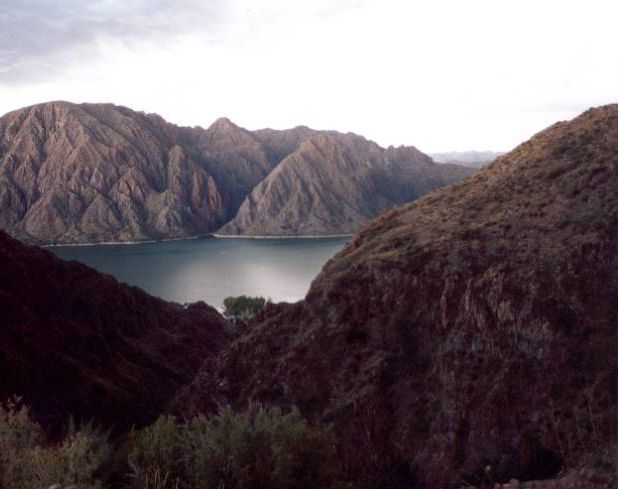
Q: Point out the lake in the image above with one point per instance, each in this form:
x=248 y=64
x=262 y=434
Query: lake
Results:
x=211 y=269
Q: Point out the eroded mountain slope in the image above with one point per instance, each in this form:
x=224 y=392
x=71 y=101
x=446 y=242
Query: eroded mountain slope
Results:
x=467 y=337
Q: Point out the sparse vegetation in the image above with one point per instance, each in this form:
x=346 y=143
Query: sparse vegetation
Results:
x=260 y=448
x=583 y=428
x=29 y=461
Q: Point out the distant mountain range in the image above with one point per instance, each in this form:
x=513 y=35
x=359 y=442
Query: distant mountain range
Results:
x=98 y=172
x=472 y=159
x=333 y=183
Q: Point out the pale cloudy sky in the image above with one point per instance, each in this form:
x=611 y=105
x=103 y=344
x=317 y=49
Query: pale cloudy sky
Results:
x=438 y=74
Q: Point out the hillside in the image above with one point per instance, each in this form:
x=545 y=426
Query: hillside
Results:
x=333 y=183
x=98 y=172
x=465 y=338
x=76 y=342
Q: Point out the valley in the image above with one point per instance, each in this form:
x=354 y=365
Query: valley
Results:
x=466 y=338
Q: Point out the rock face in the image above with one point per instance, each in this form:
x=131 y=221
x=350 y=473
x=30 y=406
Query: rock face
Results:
x=236 y=159
x=90 y=173
x=97 y=172
x=333 y=183
x=75 y=341
x=466 y=338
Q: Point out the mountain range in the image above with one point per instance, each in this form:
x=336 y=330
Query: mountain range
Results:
x=464 y=339
x=472 y=159
x=98 y=173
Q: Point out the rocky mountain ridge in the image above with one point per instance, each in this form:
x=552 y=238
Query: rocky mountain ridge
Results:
x=98 y=173
x=333 y=184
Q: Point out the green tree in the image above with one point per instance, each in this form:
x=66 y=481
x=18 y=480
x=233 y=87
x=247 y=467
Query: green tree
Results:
x=242 y=307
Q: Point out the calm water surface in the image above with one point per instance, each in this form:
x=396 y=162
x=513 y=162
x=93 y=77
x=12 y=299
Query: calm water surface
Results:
x=211 y=269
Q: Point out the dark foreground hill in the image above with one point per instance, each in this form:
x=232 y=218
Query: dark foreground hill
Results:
x=466 y=338
x=98 y=172
x=76 y=342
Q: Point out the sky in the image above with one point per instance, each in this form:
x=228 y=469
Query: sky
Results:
x=441 y=75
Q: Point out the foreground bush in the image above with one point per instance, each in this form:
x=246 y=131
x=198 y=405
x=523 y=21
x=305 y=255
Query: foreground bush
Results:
x=259 y=449
x=28 y=462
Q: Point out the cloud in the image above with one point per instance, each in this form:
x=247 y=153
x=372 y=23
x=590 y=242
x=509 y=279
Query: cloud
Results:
x=439 y=75
x=39 y=39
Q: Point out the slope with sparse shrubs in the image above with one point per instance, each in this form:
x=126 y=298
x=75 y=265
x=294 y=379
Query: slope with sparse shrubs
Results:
x=260 y=448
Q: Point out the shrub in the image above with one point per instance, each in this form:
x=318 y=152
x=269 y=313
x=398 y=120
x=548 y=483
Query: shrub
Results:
x=261 y=448
x=28 y=462
x=154 y=455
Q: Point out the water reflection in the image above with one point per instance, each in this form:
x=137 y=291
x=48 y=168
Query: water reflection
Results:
x=211 y=269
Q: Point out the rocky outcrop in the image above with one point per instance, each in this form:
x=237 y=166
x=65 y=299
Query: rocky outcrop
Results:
x=467 y=338
x=75 y=342
x=333 y=183
x=98 y=172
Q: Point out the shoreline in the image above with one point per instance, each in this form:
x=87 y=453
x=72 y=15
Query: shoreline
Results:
x=115 y=243
x=200 y=236
x=298 y=236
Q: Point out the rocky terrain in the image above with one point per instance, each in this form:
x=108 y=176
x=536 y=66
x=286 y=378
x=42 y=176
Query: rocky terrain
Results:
x=90 y=173
x=98 y=173
x=467 y=338
x=333 y=183
x=76 y=342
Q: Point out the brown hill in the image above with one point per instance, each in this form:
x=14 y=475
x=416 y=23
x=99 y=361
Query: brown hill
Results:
x=465 y=338
x=75 y=341
x=98 y=172
x=333 y=183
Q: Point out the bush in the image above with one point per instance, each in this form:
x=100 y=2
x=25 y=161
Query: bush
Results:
x=154 y=455
x=262 y=448
x=242 y=307
x=257 y=449
x=27 y=461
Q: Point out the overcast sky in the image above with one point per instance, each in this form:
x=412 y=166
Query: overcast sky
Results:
x=438 y=74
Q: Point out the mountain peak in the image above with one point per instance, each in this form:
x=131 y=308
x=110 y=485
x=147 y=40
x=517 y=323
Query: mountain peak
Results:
x=223 y=122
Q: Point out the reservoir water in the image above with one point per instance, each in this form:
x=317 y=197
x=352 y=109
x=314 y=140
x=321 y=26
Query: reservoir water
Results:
x=211 y=269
